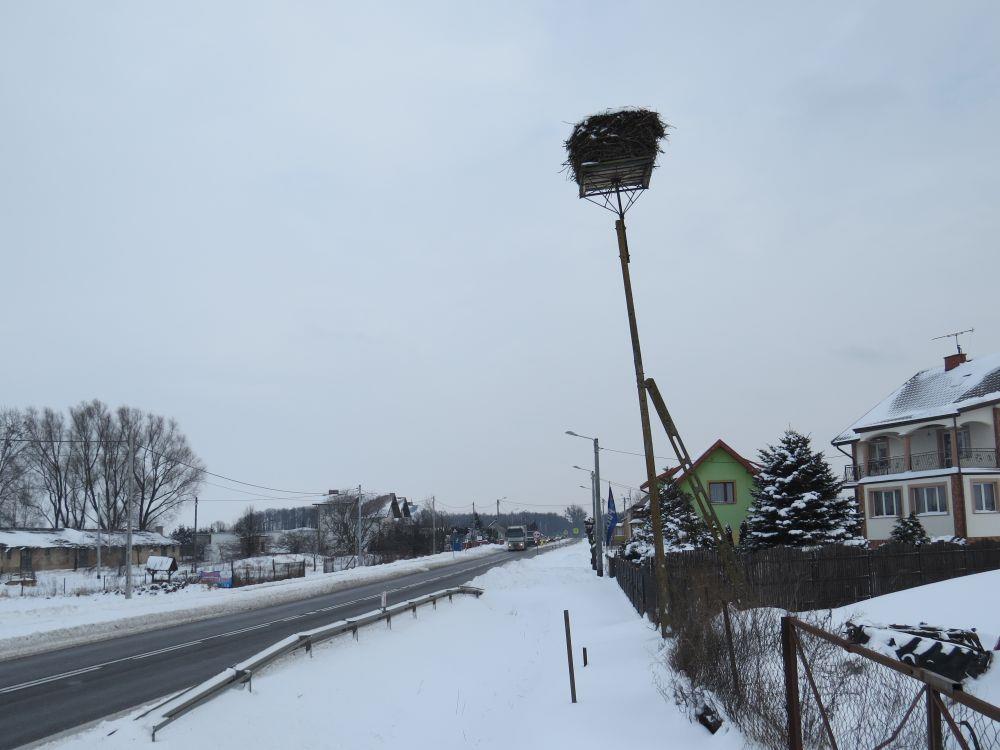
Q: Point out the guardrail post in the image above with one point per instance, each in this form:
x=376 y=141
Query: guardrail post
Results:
x=793 y=707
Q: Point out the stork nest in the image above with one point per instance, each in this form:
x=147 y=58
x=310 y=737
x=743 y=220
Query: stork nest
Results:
x=614 y=135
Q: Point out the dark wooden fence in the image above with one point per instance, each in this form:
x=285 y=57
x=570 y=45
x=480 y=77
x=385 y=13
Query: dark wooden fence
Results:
x=799 y=580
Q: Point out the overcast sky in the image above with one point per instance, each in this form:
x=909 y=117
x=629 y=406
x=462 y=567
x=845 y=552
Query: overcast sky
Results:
x=334 y=242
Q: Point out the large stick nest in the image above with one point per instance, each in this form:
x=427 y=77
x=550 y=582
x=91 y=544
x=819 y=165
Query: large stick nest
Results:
x=614 y=135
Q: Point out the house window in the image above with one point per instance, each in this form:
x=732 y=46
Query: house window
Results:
x=929 y=500
x=985 y=495
x=886 y=503
x=880 y=450
x=722 y=492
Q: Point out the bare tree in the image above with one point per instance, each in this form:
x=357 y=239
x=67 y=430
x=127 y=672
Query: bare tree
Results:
x=338 y=522
x=15 y=507
x=167 y=472
x=51 y=462
x=575 y=515
x=86 y=452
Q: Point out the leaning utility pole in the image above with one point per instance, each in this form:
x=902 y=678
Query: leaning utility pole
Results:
x=612 y=153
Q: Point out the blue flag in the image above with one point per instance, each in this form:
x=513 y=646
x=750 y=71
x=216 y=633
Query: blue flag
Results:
x=612 y=519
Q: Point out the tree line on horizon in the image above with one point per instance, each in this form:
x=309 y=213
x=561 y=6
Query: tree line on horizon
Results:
x=74 y=470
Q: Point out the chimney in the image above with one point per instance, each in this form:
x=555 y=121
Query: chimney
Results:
x=159 y=530
x=952 y=361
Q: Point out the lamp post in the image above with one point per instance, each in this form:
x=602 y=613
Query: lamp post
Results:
x=598 y=514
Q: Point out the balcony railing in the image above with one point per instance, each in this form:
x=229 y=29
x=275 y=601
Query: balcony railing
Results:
x=970 y=458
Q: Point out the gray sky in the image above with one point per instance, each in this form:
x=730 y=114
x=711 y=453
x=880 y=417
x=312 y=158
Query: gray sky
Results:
x=336 y=245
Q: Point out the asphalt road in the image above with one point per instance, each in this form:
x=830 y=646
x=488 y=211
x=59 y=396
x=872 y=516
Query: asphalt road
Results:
x=48 y=693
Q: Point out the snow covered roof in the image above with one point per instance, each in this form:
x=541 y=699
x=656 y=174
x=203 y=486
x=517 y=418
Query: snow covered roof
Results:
x=931 y=394
x=76 y=538
x=160 y=563
x=719 y=444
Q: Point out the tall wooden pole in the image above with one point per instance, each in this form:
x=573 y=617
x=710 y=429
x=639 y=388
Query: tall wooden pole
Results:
x=660 y=563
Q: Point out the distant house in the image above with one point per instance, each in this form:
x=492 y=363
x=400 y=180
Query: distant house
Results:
x=69 y=549
x=931 y=447
x=727 y=477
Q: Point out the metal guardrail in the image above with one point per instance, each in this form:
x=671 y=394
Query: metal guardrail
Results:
x=243 y=672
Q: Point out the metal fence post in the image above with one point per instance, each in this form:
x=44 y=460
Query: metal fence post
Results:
x=935 y=737
x=791 y=683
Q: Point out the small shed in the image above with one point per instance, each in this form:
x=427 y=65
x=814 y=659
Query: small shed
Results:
x=160 y=564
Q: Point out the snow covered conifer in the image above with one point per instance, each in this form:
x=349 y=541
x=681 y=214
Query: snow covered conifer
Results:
x=683 y=528
x=796 y=500
x=909 y=530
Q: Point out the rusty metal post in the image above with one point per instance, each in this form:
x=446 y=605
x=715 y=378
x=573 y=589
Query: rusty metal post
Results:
x=729 y=644
x=935 y=737
x=660 y=567
x=792 y=705
x=569 y=657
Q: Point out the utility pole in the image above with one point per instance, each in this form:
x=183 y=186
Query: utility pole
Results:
x=433 y=525
x=194 y=552
x=599 y=518
x=472 y=524
x=128 y=517
x=97 y=509
x=359 y=526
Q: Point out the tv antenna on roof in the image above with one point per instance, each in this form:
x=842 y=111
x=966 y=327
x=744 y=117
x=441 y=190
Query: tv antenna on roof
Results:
x=955 y=335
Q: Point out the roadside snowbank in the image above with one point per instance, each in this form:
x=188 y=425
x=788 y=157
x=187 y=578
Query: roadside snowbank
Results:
x=30 y=625
x=485 y=673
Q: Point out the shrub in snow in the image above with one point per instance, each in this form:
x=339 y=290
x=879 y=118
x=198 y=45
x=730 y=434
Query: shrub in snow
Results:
x=683 y=528
x=909 y=530
x=796 y=500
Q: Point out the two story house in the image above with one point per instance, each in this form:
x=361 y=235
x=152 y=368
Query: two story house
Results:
x=931 y=448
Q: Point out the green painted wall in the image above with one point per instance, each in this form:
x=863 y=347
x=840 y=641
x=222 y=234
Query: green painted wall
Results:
x=720 y=466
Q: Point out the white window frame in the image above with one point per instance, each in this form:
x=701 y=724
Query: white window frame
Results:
x=978 y=498
x=875 y=503
x=918 y=499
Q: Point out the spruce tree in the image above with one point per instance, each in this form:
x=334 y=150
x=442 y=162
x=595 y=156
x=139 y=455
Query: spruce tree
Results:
x=796 y=500
x=683 y=528
x=909 y=530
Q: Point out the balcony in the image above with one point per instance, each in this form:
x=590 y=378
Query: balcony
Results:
x=969 y=458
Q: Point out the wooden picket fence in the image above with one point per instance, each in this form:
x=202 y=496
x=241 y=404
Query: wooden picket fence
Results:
x=799 y=580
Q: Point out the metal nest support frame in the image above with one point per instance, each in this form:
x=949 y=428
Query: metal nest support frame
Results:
x=189 y=699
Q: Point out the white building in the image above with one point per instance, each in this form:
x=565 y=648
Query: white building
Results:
x=931 y=447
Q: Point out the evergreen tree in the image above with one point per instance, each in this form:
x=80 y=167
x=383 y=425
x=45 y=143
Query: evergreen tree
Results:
x=683 y=528
x=909 y=530
x=796 y=500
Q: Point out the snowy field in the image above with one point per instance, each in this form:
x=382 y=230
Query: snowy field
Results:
x=31 y=624
x=479 y=673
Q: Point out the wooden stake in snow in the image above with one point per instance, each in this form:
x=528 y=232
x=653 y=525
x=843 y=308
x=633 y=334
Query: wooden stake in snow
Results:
x=569 y=657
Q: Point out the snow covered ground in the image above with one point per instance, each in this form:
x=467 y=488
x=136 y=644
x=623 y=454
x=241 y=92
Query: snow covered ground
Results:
x=31 y=624
x=479 y=673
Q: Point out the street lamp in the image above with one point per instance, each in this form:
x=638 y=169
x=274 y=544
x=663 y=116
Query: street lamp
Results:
x=598 y=515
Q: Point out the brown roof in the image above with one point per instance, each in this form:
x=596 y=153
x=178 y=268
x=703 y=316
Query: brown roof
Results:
x=720 y=443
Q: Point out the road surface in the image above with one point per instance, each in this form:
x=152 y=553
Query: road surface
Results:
x=48 y=693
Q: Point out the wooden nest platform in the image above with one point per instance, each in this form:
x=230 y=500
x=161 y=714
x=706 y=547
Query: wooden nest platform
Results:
x=615 y=151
